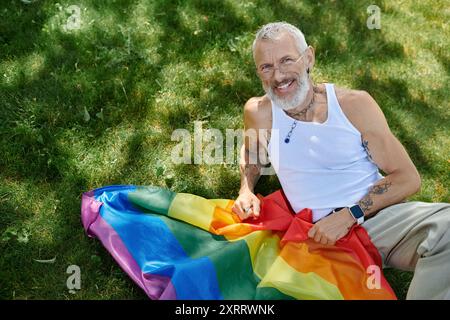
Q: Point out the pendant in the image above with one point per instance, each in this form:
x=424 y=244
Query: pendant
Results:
x=286 y=140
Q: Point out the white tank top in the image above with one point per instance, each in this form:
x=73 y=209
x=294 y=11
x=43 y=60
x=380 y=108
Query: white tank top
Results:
x=324 y=165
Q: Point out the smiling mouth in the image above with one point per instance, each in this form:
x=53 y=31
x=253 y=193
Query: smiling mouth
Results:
x=285 y=86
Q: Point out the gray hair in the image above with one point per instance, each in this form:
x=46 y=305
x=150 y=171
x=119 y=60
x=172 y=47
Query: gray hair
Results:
x=272 y=30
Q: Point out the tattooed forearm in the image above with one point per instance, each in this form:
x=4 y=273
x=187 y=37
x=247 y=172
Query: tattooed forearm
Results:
x=366 y=203
x=380 y=188
x=250 y=170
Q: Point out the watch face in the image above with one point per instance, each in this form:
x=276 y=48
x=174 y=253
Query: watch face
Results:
x=357 y=211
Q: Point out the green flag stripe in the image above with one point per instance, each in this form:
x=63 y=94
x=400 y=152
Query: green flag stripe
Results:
x=152 y=199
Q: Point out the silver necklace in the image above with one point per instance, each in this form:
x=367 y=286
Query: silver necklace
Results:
x=294 y=124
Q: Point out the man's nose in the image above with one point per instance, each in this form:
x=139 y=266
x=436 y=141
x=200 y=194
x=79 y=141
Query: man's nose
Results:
x=278 y=76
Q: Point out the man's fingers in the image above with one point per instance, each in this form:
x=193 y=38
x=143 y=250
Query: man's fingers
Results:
x=238 y=209
x=246 y=210
x=255 y=208
x=324 y=240
x=312 y=232
x=317 y=237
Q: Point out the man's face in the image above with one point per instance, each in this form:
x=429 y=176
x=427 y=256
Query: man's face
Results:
x=288 y=90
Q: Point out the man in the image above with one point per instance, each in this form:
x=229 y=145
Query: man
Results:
x=328 y=147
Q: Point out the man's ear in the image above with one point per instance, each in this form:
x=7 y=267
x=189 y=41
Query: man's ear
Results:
x=311 y=57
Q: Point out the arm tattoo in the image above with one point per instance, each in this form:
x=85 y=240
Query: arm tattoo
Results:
x=380 y=189
x=367 y=202
x=252 y=172
x=251 y=169
x=365 y=144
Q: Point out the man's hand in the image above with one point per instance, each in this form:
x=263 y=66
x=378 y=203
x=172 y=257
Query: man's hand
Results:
x=332 y=228
x=246 y=205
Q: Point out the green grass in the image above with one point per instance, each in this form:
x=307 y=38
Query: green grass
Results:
x=97 y=106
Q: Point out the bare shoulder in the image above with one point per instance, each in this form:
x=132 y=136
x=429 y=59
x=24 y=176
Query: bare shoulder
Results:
x=361 y=109
x=258 y=113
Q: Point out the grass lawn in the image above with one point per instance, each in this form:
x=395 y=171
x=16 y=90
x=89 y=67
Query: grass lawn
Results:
x=96 y=105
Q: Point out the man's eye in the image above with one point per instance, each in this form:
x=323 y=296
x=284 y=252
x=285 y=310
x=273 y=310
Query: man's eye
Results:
x=265 y=68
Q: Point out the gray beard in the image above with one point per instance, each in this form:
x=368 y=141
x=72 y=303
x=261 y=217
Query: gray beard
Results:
x=300 y=94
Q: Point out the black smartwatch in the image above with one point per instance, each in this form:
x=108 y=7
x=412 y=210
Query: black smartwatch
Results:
x=357 y=213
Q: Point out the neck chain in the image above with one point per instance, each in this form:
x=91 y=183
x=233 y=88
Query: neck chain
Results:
x=294 y=124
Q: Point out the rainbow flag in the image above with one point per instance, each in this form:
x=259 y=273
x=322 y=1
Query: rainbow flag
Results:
x=183 y=246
